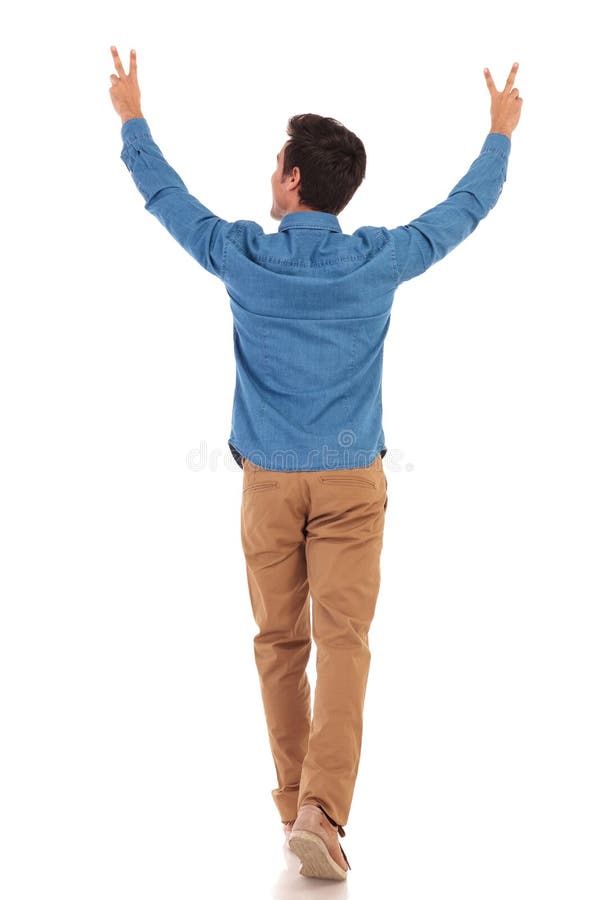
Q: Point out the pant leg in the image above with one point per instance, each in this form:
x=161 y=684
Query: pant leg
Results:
x=272 y=522
x=344 y=539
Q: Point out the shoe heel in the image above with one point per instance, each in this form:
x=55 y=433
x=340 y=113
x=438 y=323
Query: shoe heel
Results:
x=316 y=859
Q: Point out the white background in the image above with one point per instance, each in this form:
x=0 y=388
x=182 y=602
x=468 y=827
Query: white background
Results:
x=134 y=759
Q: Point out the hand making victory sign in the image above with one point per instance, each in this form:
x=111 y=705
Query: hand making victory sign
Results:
x=125 y=90
x=506 y=105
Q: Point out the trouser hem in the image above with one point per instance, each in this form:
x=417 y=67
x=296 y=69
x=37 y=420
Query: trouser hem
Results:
x=286 y=801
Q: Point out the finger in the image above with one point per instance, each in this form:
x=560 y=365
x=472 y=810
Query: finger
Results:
x=511 y=78
x=489 y=80
x=133 y=64
x=117 y=61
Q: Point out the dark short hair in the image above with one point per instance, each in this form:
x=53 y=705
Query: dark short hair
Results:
x=331 y=159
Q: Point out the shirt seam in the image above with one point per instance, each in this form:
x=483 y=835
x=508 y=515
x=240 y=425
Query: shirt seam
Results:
x=265 y=257
x=417 y=236
x=228 y=241
x=301 y=264
x=390 y=243
x=312 y=228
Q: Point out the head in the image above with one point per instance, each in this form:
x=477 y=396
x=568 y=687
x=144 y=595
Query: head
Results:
x=319 y=168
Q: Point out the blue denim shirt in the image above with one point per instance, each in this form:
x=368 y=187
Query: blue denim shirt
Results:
x=311 y=305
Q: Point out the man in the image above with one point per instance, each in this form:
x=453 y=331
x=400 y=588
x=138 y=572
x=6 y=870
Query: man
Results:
x=311 y=308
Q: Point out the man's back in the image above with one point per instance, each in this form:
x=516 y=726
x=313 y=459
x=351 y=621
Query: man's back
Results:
x=311 y=305
x=311 y=309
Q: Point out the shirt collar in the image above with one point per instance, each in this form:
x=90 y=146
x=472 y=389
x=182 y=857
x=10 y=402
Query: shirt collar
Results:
x=310 y=219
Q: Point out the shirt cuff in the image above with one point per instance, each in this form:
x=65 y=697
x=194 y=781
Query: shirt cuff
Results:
x=137 y=127
x=498 y=143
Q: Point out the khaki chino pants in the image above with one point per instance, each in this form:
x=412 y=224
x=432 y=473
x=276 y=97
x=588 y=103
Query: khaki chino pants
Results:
x=313 y=535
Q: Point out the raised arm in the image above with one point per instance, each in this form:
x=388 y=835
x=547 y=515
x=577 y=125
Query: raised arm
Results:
x=198 y=230
x=431 y=236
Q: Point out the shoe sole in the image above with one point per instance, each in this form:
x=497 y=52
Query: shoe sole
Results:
x=317 y=861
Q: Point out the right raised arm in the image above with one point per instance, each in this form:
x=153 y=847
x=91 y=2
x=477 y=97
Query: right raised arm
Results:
x=431 y=236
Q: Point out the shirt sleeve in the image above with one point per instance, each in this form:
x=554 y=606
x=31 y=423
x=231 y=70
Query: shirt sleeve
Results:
x=431 y=236
x=198 y=230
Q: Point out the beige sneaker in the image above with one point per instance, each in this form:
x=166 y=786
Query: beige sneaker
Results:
x=315 y=841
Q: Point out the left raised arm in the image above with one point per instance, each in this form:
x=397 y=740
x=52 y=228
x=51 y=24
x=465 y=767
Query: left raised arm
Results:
x=198 y=230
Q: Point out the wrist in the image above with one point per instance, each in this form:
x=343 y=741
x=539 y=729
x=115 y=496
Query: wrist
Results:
x=501 y=131
x=135 y=115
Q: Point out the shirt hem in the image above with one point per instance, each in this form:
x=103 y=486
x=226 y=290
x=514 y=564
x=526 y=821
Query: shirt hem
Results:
x=240 y=456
